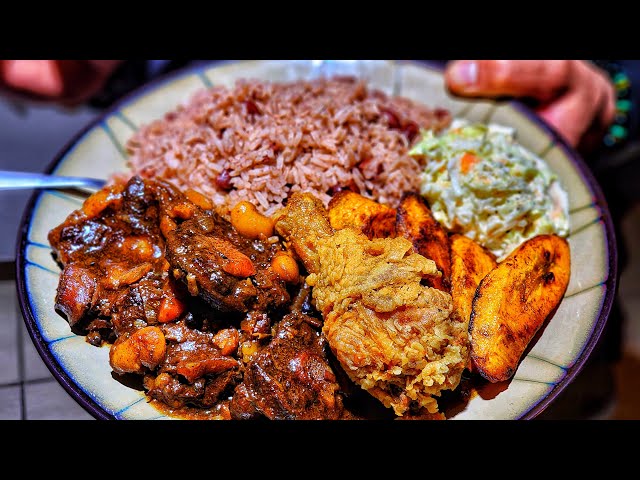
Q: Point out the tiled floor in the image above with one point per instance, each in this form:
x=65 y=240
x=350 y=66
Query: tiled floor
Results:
x=27 y=388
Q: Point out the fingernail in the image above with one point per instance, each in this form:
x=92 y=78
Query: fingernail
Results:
x=465 y=73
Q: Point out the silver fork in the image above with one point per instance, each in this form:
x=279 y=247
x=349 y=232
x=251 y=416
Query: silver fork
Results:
x=10 y=180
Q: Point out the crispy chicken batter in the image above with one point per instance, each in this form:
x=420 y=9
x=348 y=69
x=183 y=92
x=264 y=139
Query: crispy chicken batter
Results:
x=391 y=334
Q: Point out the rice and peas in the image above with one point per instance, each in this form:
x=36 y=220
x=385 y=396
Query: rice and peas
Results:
x=261 y=142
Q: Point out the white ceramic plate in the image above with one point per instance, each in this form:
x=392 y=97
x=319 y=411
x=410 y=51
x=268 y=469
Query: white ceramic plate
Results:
x=550 y=365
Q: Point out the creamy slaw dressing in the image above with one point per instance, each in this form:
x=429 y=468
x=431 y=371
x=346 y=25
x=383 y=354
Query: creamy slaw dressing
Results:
x=500 y=195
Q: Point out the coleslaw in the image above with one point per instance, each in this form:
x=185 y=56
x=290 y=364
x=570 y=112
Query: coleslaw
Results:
x=480 y=182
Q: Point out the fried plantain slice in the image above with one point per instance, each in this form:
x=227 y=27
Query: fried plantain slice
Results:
x=350 y=209
x=470 y=262
x=513 y=301
x=415 y=222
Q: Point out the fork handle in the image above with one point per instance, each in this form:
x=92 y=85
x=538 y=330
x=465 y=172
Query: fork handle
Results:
x=10 y=180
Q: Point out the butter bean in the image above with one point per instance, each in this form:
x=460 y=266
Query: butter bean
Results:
x=250 y=223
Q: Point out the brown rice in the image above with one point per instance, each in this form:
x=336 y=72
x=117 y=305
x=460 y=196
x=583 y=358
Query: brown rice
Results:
x=261 y=141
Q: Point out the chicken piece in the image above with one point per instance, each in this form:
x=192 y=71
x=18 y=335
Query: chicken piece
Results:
x=392 y=335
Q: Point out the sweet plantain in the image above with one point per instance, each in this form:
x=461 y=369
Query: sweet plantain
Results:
x=415 y=222
x=470 y=262
x=350 y=209
x=513 y=301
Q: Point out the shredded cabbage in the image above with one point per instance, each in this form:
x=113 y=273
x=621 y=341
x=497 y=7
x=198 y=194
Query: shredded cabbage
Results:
x=500 y=195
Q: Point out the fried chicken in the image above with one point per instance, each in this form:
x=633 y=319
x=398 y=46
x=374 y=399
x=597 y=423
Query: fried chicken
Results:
x=392 y=335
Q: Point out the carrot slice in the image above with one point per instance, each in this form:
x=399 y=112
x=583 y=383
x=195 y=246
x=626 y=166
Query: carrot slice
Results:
x=171 y=307
x=467 y=161
x=238 y=265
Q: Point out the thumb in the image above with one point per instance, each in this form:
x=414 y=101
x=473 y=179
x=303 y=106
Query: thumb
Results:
x=539 y=79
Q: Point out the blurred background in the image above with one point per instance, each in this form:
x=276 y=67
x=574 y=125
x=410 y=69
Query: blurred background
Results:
x=32 y=134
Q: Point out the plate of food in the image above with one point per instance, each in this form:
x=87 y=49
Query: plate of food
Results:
x=316 y=240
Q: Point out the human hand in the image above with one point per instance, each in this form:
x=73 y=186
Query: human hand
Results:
x=574 y=96
x=68 y=82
